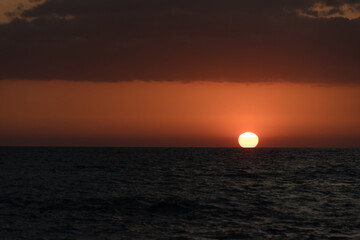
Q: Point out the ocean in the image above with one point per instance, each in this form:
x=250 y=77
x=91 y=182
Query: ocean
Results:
x=179 y=193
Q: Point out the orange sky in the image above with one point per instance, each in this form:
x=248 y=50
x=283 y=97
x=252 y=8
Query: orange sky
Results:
x=137 y=113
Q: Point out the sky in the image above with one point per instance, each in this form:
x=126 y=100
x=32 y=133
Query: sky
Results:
x=179 y=73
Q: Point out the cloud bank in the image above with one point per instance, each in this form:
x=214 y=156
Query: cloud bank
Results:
x=184 y=40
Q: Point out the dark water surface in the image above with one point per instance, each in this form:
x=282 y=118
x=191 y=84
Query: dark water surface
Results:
x=179 y=193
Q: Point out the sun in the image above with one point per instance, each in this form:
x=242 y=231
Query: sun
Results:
x=248 y=140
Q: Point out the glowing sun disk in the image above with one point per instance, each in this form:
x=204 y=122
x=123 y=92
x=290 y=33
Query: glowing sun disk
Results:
x=248 y=140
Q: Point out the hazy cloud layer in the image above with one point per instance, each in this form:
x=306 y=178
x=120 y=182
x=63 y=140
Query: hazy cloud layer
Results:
x=184 y=40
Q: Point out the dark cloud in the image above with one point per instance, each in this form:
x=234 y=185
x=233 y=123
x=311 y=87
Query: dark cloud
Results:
x=245 y=41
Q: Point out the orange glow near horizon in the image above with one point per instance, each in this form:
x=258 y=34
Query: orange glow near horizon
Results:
x=177 y=114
